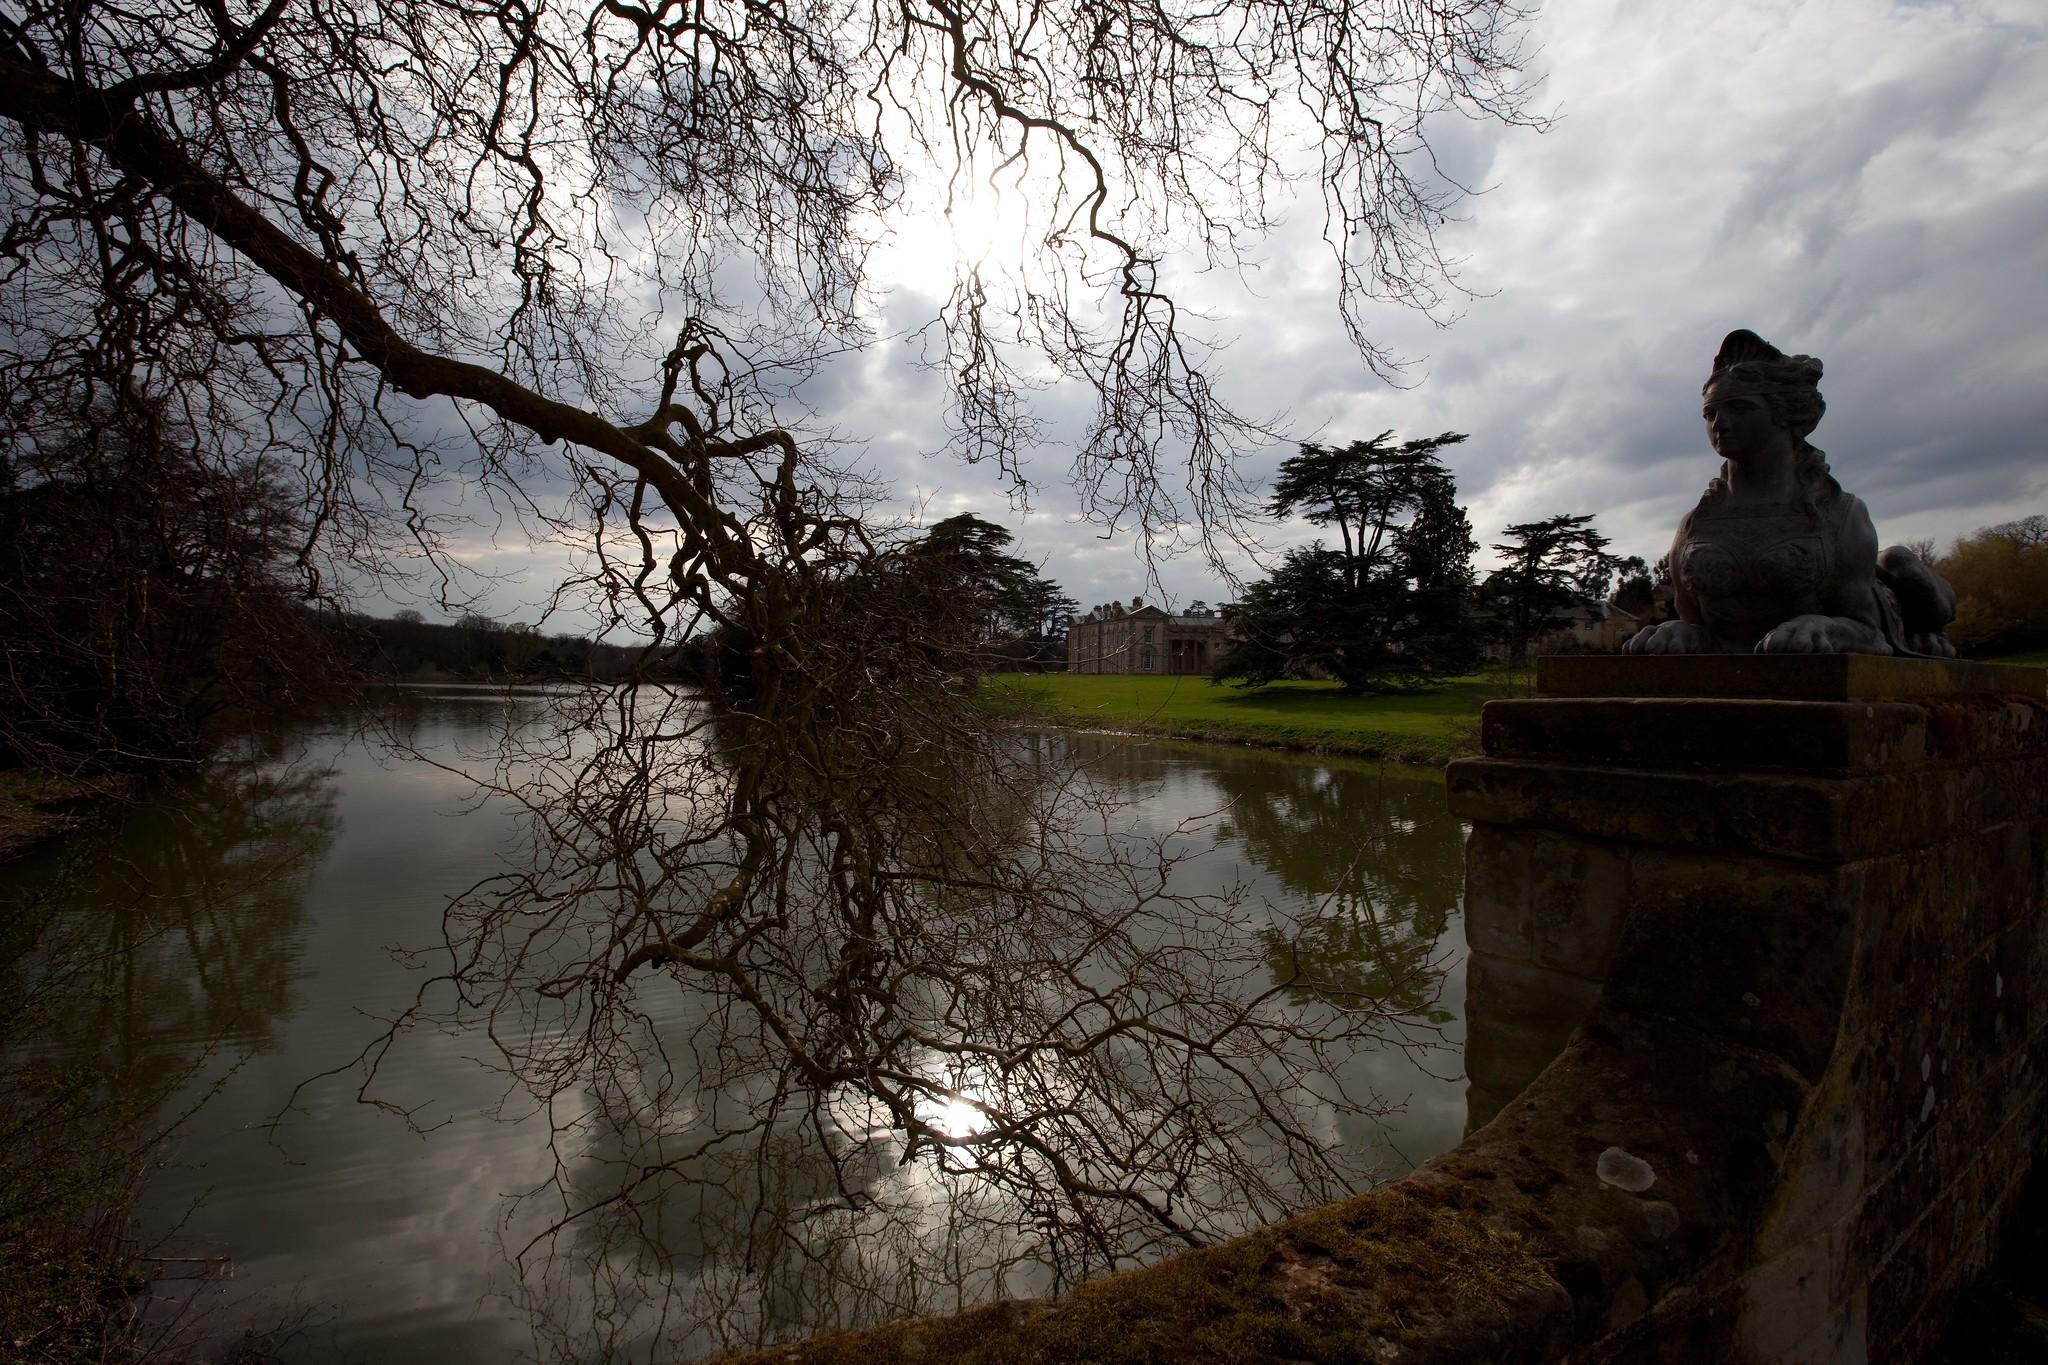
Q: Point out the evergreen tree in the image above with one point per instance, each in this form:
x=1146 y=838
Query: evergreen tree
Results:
x=1635 y=592
x=999 y=597
x=1551 y=565
x=1388 y=608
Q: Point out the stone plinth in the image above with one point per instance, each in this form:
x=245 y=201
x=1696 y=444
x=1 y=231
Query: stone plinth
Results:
x=1777 y=677
x=1829 y=876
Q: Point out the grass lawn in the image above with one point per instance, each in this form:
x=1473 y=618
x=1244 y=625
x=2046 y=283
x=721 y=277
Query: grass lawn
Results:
x=2037 y=658
x=1428 y=725
x=1424 y=726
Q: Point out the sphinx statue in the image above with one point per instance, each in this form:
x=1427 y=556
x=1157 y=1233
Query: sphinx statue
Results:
x=1777 y=558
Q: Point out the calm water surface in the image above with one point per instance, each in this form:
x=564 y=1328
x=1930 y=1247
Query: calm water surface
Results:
x=260 y=920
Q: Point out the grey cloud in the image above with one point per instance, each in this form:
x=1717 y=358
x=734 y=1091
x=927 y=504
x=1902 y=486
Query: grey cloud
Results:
x=1860 y=182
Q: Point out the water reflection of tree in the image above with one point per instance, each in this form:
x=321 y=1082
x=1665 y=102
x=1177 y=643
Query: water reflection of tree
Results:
x=787 y=1232
x=1378 y=864
x=128 y=961
x=200 y=913
x=825 y=1036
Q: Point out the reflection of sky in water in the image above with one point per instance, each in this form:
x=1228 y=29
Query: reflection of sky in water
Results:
x=1328 y=839
x=393 y=1240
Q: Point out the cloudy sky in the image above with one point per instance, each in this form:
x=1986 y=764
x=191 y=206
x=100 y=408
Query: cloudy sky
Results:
x=1861 y=181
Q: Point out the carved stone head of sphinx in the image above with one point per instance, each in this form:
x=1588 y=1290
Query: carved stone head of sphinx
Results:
x=1777 y=558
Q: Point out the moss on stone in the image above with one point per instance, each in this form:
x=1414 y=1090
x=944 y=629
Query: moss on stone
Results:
x=1320 y=1287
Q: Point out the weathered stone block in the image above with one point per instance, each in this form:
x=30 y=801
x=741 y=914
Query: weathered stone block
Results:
x=1518 y=1016
x=1757 y=736
x=1577 y=899
x=1929 y=1258
x=2037 y=965
x=1497 y=879
x=1912 y=1092
x=1977 y=983
x=1842 y=1336
x=1858 y=890
x=1788 y=816
x=1969 y=728
x=1976 y=1148
x=1823 y=1175
x=1787 y=1295
x=1544 y=898
x=1922 y=914
x=1805 y=677
x=2016 y=994
x=1753 y=951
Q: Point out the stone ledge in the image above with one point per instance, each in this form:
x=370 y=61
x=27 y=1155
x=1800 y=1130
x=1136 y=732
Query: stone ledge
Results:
x=1762 y=735
x=1695 y=732
x=1518 y=1247
x=1783 y=677
x=1791 y=815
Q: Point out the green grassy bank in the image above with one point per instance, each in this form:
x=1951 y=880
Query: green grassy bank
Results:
x=1428 y=725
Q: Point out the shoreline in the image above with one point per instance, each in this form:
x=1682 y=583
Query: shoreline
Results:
x=1421 y=728
x=1426 y=726
x=1432 y=759
x=37 y=808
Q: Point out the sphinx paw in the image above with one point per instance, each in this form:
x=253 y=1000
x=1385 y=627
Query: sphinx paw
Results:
x=1801 y=635
x=1816 y=634
x=1671 y=637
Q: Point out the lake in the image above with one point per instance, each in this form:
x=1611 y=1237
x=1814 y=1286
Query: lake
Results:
x=259 y=921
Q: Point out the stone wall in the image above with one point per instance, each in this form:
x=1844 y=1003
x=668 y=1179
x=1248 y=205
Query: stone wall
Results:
x=1853 y=889
x=1793 y=942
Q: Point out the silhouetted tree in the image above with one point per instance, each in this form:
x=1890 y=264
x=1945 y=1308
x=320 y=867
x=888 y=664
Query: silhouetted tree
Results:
x=964 y=568
x=953 y=598
x=1390 y=607
x=1012 y=614
x=1368 y=490
x=1634 y=590
x=1044 y=611
x=1551 y=566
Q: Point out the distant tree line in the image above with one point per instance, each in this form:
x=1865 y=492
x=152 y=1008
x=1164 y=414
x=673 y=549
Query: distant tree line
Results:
x=154 y=589
x=474 y=647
